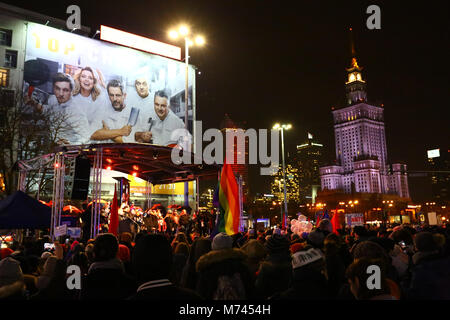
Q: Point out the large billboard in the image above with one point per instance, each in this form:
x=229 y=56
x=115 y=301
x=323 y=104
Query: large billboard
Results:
x=101 y=92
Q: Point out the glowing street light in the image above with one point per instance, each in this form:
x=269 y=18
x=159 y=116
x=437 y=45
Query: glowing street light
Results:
x=200 y=40
x=183 y=31
x=283 y=127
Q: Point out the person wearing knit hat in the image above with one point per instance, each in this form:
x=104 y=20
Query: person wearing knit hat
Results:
x=256 y=252
x=325 y=226
x=12 y=286
x=222 y=241
x=308 y=276
x=275 y=272
x=277 y=244
x=316 y=238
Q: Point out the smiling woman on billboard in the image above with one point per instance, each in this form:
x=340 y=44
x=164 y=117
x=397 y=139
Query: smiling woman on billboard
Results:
x=87 y=95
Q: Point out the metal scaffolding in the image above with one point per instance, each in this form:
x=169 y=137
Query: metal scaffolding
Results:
x=59 y=168
x=96 y=192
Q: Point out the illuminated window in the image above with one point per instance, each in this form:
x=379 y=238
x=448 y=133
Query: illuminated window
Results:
x=351 y=77
x=4 y=77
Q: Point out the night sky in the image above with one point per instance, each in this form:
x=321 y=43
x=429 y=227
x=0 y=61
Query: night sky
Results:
x=284 y=61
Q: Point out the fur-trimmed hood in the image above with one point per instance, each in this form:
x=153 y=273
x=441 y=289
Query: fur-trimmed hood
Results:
x=219 y=256
x=13 y=289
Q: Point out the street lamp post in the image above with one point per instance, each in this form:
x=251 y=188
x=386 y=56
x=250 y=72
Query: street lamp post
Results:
x=282 y=128
x=183 y=31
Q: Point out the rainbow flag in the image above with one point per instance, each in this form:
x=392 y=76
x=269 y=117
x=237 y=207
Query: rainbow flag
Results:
x=226 y=198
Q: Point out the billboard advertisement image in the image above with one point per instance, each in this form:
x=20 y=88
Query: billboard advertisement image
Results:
x=105 y=93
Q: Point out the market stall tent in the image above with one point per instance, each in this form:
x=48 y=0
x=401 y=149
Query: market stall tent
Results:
x=20 y=211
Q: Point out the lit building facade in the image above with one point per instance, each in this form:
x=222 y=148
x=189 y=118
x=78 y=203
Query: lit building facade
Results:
x=438 y=162
x=308 y=160
x=292 y=184
x=361 y=154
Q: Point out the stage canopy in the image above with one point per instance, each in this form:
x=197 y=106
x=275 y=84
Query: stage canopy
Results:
x=149 y=162
x=20 y=211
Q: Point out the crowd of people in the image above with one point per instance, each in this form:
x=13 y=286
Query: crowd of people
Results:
x=158 y=218
x=413 y=262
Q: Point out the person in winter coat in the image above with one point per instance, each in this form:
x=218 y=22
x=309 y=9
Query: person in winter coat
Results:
x=275 y=272
x=335 y=263
x=152 y=263
x=52 y=282
x=106 y=279
x=358 y=277
x=180 y=256
x=199 y=247
x=256 y=253
x=430 y=277
x=309 y=276
x=223 y=273
x=12 y=286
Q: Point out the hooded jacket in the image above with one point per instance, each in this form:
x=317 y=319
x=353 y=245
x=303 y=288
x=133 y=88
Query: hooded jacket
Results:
x=224 y=275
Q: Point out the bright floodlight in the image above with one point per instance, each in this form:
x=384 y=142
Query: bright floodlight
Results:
x=183 y=30
x=276 y=126
x=190 y=43
x=173 y=34
x=289 y=126
x=199 y=40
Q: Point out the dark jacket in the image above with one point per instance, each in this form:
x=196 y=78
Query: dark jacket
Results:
x=308 y=284
x=163 y=290
x=107 y=281
x=224 y=275
x=335 y=271
x=179 y=261
x=430 y=277
x=274 y=276
x=189 y=274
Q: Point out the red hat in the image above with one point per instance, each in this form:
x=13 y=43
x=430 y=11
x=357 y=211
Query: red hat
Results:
x=5 y=252
x=123 y=253
x=74 y=244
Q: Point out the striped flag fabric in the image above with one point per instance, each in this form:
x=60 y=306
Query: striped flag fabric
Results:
x=226 y=197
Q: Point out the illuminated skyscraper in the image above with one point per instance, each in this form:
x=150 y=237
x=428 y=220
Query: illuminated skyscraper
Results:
x=439 y=165
x=292 y=184
x=361 y=153
x=308 y=160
